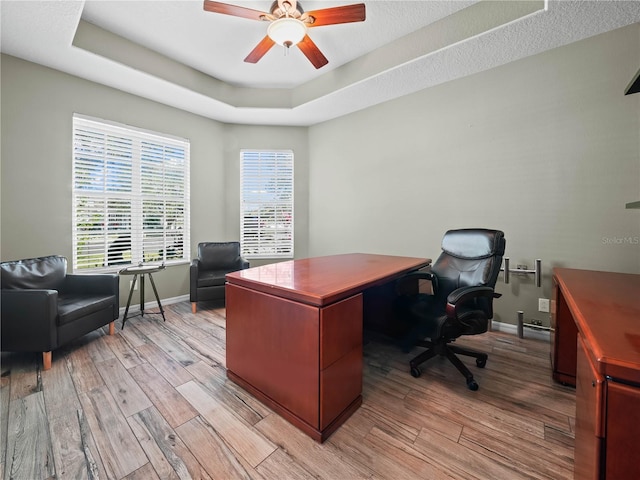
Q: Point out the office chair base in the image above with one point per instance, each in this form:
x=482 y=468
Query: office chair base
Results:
x=449 y=351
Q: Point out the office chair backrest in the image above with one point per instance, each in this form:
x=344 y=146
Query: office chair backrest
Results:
x=470 y=257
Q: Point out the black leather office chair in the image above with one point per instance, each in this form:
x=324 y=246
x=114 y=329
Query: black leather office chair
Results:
x=461 y=301
x=208 y=271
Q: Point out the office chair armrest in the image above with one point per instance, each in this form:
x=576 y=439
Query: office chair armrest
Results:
x=463 y=295
x=413 y=277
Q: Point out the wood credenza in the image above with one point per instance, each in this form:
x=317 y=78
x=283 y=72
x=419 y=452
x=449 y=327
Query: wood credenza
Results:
x=596 y=347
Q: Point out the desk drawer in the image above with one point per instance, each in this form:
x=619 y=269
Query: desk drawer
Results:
x=623 y=431
x=340 y=329
x=340 y=385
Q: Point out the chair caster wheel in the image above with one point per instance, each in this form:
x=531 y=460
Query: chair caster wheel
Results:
x=481 y=362
x=415 y=372
x=472 y=384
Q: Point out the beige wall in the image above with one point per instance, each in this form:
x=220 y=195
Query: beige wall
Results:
x=237 y=137
x=545 y=148
x=36 y=127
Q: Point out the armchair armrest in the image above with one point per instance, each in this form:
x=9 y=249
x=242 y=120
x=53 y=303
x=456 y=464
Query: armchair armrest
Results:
x=461 y=297
x=105 y=284
x=243 y=263
x=193 y=279
x=28 y=319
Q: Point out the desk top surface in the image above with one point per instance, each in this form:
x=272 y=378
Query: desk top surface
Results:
x=324 y=280
x=606 y=309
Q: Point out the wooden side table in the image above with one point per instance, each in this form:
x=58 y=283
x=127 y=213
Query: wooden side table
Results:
x=142 y=270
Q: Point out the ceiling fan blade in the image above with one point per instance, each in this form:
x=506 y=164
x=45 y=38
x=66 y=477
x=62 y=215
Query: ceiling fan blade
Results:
x=335 y=15
x=257 y=53
x=312 y=52
x=234 y=10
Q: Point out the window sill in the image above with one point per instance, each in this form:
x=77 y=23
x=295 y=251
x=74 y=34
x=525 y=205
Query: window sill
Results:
x=117 y=268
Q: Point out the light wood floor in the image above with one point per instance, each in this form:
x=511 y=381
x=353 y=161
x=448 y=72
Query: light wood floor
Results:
x=153 y=401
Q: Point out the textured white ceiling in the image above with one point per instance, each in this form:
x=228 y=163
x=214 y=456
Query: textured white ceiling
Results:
x=217 y=44
x=176 y=53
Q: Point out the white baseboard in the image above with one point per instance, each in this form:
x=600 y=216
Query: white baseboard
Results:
x=135 y=307
x=527 y=332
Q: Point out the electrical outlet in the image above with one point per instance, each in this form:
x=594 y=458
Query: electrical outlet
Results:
x=136 y=286
x=543 y=305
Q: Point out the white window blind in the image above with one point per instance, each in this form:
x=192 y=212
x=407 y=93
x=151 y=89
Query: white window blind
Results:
x=266 y=213
x=130 y=196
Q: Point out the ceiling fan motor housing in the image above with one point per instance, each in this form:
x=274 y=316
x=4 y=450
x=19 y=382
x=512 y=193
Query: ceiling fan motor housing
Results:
x=284 y=8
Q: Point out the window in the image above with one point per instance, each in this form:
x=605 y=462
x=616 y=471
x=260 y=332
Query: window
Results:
x=130 y=196
x=266 y=212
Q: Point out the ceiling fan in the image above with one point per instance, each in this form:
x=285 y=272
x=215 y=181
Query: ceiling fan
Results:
x=288 y=24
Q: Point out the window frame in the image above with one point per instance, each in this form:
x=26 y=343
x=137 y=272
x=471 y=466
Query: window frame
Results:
x=145 y=175
x=282 y=224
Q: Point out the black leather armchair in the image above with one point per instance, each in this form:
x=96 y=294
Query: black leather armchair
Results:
x=207 y=272
x=44 y=308
x=462 y=279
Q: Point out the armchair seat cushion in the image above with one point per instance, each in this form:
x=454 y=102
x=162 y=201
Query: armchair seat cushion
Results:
x=72 y=307
x=211 y=278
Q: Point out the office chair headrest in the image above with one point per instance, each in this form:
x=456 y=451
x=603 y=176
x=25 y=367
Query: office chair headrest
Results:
x=473 y=243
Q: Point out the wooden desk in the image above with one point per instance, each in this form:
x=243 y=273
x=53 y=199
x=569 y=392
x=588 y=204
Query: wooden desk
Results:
x=596 y=347
x=294 y=334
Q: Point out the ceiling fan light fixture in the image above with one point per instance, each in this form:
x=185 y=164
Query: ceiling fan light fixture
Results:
x=287 y=31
